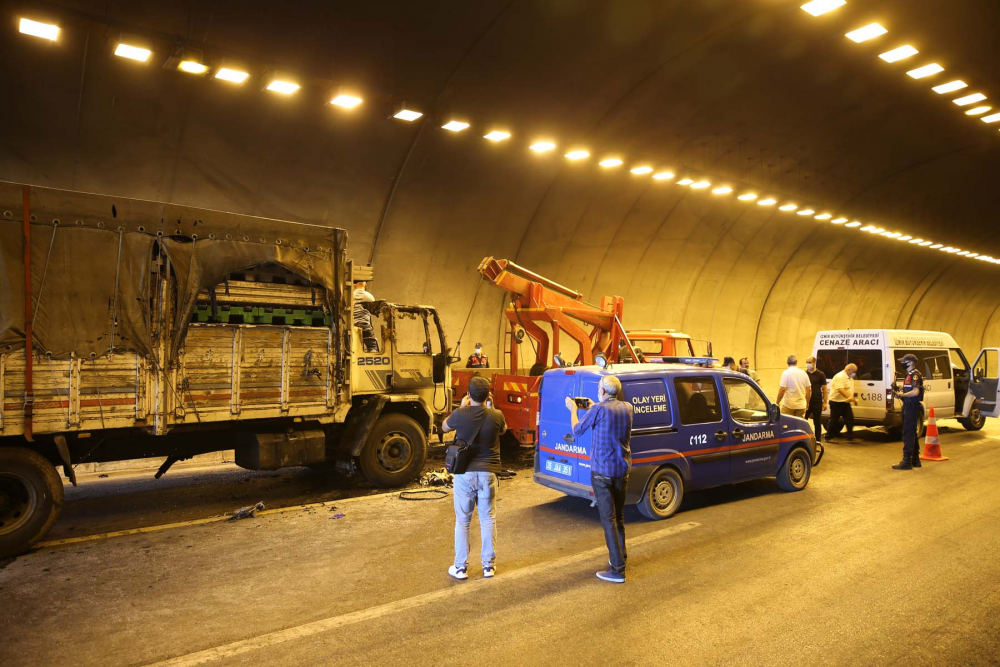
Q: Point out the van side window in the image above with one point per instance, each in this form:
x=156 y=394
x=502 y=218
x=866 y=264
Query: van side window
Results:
x=830 y=361
x=650 y=405
x=697 y=400
x=746 y=404
x=869 y=363
x=932 y=364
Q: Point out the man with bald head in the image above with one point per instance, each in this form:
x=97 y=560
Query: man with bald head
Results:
x=841 y=399
x=610 y=461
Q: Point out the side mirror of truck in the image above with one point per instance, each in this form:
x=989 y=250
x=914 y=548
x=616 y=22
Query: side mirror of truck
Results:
x=773 y=412
x=440 y=367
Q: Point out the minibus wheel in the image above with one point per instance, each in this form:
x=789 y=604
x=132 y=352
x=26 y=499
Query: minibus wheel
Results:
x=975 y=421
x=663 y=494
x=794 y=474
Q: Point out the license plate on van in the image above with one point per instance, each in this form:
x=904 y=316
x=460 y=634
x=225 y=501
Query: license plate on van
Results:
x=559 y=468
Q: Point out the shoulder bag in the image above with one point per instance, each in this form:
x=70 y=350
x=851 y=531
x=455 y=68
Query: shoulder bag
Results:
x=458 y=454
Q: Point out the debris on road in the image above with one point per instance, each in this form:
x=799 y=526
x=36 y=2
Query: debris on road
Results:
x=338 y=515
x=248 y=512
x=436 y=478
x=507 y=473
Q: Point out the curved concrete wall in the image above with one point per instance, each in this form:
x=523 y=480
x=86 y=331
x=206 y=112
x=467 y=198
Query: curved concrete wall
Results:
x=743 y=91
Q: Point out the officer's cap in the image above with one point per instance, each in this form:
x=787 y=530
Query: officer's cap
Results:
x=908 y=358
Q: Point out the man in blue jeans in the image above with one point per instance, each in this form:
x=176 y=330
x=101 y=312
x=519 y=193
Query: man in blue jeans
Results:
x=610 y=461
x=476 y=421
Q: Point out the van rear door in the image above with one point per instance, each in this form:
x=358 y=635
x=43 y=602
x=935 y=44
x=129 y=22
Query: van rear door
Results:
x=985 y=384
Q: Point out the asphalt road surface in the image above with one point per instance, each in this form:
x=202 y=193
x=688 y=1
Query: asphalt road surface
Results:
x=865 y=566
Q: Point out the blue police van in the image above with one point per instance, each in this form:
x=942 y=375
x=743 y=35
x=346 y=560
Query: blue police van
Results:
x=692 y=428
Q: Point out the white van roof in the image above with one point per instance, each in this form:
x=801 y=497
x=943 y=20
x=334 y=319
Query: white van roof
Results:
x=872 y=338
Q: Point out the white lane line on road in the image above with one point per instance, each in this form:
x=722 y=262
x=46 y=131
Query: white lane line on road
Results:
x=201 y=522
x=372 y=613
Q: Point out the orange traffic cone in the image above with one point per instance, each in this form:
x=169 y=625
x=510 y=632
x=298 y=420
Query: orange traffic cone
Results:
x=932 y=448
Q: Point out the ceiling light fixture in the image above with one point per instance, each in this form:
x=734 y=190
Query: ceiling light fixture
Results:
x=899 y=53
x=950 y=87
x=700 y=185
x=685 y=181
x=853 y=224
x=639 y=171
x=347 y=101
x=963 y=253
x=767 y=202
x=409 y=115
x=916 y=240
x=542 y=146
x=231 y=75
x=925 y=71
x=37 y=29
x=839 y=221
x=820 y=7
x=132 y=52
x=283 y=87
x=969 y=99
x=824 y=216
x=870 y=31
x=192 y=67
x=724 y=190
x=497 y=135
x=577 y=155
x=935 y=246
x=868 y=228
x=806 y=211
x=455 y=126
x=977 y=111
x=749 y=196
x=924 y=244
x=663 y=176
x=906 y=237
x=991 y=118
x=973 y=255
x=610 y=162
x=787 y=207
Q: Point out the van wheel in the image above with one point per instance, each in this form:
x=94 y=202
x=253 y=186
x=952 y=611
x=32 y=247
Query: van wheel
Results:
x=31 y=498
x=663 y=494
x=395 y=451
x=794 y=474
x=975 y=421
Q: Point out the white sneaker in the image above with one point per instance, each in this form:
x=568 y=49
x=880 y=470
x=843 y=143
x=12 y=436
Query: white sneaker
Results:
x=458 y=572
x=489 y=572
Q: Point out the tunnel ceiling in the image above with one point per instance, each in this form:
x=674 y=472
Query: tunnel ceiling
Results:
x=752 y=93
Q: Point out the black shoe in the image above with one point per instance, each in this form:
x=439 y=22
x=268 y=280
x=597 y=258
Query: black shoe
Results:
x=903 y=465
x=916 y=463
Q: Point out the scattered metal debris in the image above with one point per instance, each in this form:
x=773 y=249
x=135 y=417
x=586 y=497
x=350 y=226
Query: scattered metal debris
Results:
x=436 y=478
x=248 y=512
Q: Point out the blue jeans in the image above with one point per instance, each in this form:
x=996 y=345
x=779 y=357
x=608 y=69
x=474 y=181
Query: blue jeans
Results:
x=472 y=489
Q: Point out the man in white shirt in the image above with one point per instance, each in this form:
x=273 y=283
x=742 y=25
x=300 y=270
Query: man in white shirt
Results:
x=794 y=390
x=841 y=398
x=363 y=318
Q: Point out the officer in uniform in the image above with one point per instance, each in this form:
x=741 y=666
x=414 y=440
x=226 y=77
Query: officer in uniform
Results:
x=911 y=394
x=478 y=360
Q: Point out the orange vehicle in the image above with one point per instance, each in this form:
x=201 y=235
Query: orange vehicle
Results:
x=544 y=314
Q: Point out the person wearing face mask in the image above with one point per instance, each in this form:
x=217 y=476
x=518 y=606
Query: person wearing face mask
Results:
x=912 y=394
x=478 y=360
x=841 y=399
x=817 y=404
x=745 y=368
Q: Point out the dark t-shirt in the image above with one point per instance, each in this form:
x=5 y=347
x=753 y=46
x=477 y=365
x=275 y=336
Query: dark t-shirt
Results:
x=818 y=380
x=486 y=446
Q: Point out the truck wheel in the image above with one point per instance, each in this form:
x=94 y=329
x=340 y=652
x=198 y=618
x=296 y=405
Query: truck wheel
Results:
x=663 y=494
x=395 y=451
x=794 y=474
x=31 y=497
x=975 y=421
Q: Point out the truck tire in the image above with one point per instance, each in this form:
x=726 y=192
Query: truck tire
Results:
x=795 y=472
x=663 y=494
x=975 y=421
x=395 y=451
x=31 y=498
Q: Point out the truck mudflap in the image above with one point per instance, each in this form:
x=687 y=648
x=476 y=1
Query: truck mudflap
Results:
x=360 y=421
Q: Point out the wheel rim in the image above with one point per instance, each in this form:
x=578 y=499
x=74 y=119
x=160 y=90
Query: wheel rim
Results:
x=975 y=416
x=797 y=470
x=663 y=495
x=18 y=500
x=394 y=451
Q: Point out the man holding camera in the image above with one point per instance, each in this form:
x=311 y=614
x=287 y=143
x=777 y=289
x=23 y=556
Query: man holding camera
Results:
x=610 y=461
x=478 y=423
x=912 y=394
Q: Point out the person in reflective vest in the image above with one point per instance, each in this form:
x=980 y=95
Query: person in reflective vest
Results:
x=478 y=360
x=912 y=394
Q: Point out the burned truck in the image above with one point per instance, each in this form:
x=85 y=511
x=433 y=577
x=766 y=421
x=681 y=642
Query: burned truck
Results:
x=133 y=329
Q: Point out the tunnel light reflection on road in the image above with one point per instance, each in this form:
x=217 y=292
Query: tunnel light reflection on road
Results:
x=820 y=7
x=38 y=29
x=900 y=53
x=870 y=31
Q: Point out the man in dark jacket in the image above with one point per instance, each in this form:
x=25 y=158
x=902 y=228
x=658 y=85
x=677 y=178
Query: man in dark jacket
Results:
x=610 y=461
x=477 y=422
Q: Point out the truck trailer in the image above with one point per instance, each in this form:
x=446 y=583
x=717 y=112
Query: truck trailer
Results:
x=133 y=329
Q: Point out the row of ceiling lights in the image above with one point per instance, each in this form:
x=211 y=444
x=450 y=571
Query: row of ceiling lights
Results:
x=904 y=52
x=350 y=100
